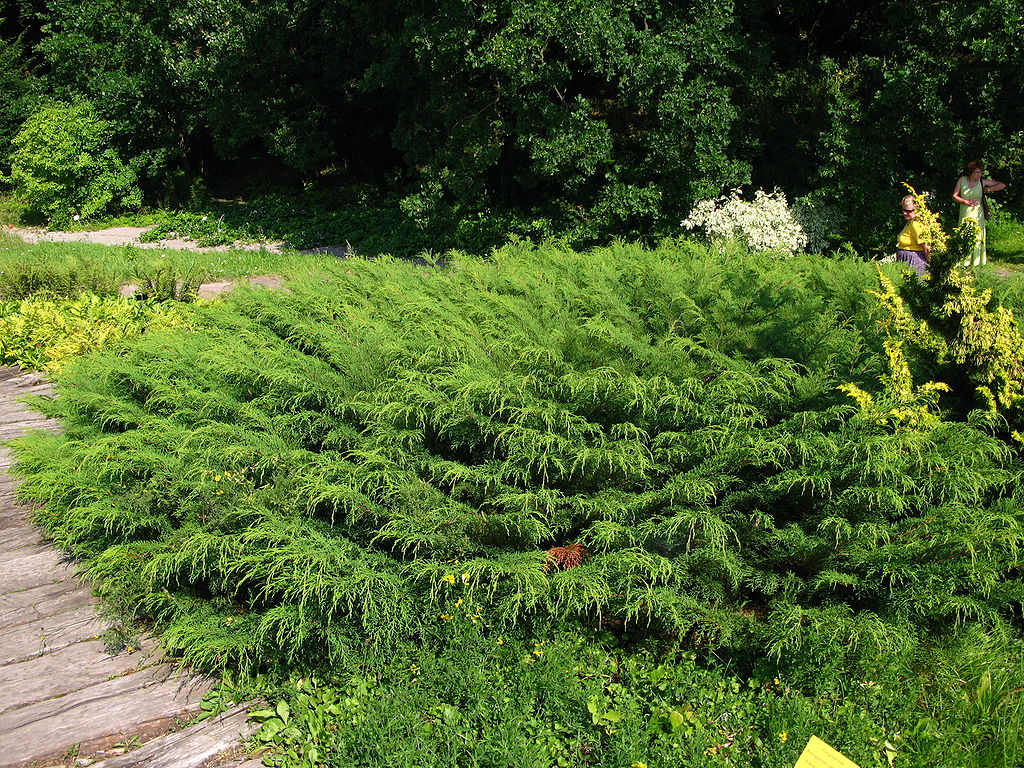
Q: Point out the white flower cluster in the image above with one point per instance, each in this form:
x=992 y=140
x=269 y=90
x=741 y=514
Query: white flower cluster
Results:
x=766 y=223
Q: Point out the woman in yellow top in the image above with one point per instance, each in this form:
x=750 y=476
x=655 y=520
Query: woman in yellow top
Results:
x=970 y=193
x=909 y=247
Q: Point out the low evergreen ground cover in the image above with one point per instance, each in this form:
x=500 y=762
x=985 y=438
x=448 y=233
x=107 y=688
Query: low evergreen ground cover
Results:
x=632 y=469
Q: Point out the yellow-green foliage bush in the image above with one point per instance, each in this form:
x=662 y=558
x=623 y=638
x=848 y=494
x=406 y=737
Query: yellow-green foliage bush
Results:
x=42 y=333
x=65 y=167
x=949 y=322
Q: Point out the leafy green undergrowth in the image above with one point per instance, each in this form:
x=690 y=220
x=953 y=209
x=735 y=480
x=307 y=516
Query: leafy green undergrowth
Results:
x=653 y=442
x=370 y=223
x=10 y=210
x=146 y=217
x=466 y=695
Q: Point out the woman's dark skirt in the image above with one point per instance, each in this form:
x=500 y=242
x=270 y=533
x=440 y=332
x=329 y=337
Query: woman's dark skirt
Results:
x=914 y=259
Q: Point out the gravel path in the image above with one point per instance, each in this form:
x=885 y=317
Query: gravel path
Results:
x=129 y=236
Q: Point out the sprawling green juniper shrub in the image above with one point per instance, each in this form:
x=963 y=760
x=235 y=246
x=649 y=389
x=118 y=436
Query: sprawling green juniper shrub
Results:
x=648 y=438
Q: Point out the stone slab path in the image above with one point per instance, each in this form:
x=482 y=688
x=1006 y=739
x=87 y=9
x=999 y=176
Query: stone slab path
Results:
x=67 y=698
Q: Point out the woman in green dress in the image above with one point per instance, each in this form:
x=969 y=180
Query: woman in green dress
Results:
x=970 y=193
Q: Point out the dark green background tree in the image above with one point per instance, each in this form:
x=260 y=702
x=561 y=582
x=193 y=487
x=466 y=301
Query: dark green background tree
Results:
x=587 y=119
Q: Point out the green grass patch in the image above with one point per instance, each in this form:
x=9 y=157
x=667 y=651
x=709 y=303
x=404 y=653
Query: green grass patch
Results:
x=60 y=267
x=1006 y=243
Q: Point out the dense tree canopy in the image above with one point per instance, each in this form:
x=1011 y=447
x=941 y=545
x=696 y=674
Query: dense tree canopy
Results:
x=593 y=118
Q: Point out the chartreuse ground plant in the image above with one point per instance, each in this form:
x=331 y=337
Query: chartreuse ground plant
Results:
x=649 y=442
x=42 y=334
x=58 y=302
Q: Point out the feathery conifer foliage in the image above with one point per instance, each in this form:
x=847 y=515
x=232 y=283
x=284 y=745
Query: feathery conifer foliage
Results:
x=647 y=439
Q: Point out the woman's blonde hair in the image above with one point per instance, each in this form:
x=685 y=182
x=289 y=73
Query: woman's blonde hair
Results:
x=906 y=201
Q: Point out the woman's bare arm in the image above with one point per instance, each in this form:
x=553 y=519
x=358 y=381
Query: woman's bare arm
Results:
x=958 y=197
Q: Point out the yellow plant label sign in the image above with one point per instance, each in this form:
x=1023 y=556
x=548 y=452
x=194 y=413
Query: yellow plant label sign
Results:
x=818 y=754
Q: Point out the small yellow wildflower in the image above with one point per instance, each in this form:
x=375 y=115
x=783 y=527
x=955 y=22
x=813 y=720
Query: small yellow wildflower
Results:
x=638 y=765
x=784 y=737
x=216 y=478
x=458 y=602
x=449 y=578
x=500 y=641
x=446 y=617
x=538 y=653
x=465 y=577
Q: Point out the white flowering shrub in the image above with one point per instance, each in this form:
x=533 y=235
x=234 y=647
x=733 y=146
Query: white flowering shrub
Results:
x=765 y=223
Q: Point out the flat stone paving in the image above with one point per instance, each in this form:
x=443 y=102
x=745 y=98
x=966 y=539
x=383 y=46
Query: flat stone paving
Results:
x=67 y=697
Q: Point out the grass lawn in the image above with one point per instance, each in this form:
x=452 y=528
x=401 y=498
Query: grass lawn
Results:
x=127 y=263
x=1006 y=244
